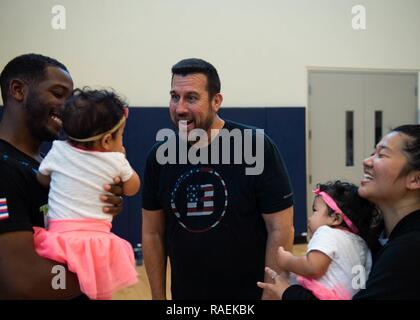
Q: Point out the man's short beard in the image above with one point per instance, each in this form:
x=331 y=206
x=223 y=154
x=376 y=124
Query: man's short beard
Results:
x=38 y=119
x=207 y=123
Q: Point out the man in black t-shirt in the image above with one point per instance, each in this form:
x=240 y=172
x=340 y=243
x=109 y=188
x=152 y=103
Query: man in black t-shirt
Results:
x=34 y=89
x=218 y=223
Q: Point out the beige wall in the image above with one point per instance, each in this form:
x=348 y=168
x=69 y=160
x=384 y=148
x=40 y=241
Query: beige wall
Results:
x=261 y=48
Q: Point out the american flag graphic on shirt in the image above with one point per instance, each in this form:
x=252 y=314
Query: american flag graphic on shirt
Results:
x=200 y=206
x=4 y=211
x=200 y=200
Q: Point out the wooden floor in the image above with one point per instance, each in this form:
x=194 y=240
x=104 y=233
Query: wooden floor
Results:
x=141 y=290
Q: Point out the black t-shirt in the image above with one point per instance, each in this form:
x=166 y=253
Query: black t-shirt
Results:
x=215 y=233
x=22 y=198
x=23 y=201
x=395 y=272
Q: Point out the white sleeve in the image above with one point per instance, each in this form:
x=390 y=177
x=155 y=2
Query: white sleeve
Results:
x=47 y=164
x=324 y=240
x=126 y=171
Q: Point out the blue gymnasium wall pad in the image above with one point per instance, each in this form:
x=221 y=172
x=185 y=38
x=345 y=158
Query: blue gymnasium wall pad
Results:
x=286 y=127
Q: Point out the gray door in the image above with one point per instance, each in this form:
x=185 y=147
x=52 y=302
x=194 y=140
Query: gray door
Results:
x=348 y=113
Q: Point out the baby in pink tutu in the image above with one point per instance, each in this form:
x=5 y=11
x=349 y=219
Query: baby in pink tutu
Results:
x=78 y=233
x=341 y=229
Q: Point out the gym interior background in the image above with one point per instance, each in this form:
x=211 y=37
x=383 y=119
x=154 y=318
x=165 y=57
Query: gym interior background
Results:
x=272 y=56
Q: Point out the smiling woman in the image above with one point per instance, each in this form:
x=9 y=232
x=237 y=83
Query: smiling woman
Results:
x=382 y=170
x=392 y=182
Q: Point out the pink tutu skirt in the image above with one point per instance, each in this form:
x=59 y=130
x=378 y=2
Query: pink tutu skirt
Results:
x=321 y=292
x=103 y=262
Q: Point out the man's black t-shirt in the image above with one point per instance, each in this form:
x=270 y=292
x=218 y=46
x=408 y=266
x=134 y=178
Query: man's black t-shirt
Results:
x=215 y=233
x=22 y=198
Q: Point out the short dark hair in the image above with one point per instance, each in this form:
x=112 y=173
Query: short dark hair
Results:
x=411 y=147
x=194 y=65
x=361 y=212
x=29 y=67
x=91 y=112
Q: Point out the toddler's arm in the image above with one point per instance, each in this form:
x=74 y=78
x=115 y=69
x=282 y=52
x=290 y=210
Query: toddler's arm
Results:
x=132 y=185
x=313 y=265
x=43 y=179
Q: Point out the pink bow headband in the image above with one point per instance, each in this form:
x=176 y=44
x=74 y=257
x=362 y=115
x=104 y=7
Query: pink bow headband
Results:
x=331 y=203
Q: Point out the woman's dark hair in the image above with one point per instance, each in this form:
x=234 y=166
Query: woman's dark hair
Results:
x=362 y=213
x=411 y=147
x=91 y=112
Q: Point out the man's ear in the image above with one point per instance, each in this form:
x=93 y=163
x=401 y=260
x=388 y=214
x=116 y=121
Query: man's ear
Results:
x=107 y=141
x=18 y=89
x=413 y=180
x=216 y=102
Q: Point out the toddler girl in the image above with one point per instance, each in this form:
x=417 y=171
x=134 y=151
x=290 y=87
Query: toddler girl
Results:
x=78 y=232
